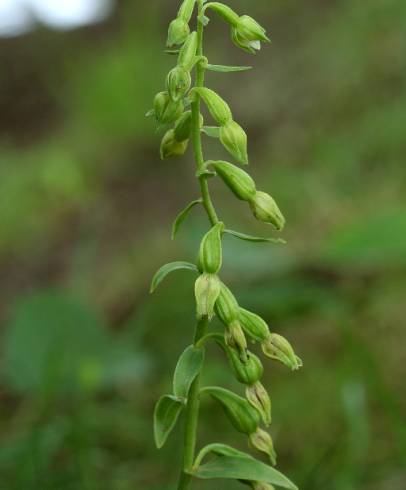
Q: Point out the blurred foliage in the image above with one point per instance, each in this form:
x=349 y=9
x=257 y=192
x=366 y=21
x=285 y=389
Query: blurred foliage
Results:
x=85 y=214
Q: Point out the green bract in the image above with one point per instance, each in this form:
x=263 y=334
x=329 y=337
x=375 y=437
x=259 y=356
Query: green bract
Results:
x=180 y=107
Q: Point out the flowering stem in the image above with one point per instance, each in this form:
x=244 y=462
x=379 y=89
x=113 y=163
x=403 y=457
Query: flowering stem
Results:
x=192 y=407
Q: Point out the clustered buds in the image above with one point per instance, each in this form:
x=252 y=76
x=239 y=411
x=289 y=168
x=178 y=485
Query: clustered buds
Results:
x=246 y=33
x=241 y=184
x=232 y=136
x=170 y=109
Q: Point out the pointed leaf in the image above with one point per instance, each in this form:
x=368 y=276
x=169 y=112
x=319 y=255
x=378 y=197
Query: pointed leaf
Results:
x=219 y=449
x=212 y=131
x=227 y=69
x=242 y=468
x=180 y=218
x=167 y=269
x=189 y=366
x=166 y=414
x=150 y=113
x=250 y=238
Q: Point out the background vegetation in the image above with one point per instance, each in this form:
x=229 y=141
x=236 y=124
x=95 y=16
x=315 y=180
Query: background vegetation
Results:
x=85 y=213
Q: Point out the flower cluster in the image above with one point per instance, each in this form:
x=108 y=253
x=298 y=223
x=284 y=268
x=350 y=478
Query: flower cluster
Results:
x=178 y=110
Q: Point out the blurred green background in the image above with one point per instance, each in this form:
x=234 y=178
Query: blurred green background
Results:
x=85 y=216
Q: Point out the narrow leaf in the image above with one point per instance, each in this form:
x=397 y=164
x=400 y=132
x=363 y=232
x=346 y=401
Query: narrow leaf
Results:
x=227 y=69
x=180 y=218
x=219 y=449
x=212 y=131
x=242 y=468
x=249 y=238
x=166 y=414
x=167 y=269
x=189 y=366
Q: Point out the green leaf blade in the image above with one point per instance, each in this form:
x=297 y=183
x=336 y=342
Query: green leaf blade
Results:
x=167 y=269
x=227 y=69
x=242 y=468
x=188 y=367
x=180 y=218
x=166 y=413
x=256 y=239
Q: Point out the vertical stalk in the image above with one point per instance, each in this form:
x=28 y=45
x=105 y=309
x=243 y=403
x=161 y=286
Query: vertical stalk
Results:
x=192 y=407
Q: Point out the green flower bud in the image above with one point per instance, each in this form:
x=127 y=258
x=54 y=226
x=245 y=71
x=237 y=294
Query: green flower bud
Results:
x=170 y=147
x=248 y=372
x=178 y=82
x=178 y=32
x=226 y=306
x=259 y=398
x=235 y=338
x=218 y=108
x=210 y=253
x=165 y=109
x=187 y=54
x=224 y=12
x=247 y=34
x=234 y=140
x=183 y=126
x=186 y=9
x=265 y=209
x=262 y=441
x=207 y=289
x=277 y=347
x=253 y=325
x=242 y=415
x=239 y=182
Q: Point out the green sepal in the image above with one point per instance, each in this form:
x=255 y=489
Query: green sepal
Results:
x=180 y=218
x=226 y=69
x=167 y=269
x=211 y=131
x=256 y=239
x=188 y=367
x=166 y=413
x=207 y=290
x=242 y=415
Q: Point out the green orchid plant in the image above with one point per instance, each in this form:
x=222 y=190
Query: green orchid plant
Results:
x=178 y=108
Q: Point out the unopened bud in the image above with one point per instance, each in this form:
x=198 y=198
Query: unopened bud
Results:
x=227 y=307
x=248 y=372
x=253 y=325
x=170 y=147
x=241 y=414
x=178 y=82
x=258 y=397
x=178 y=32
x=224 y=12
x=183 y=126
x=210 y=253
x=207 y=289
x=248 y=34
x=265 y=209
x=218 y=108
x=238 y=181
x=234 y=140
x=165 y=109
x=262 y=441
x=235 y=338
x=186 y=9
x=277 y=347
x=187 y=53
